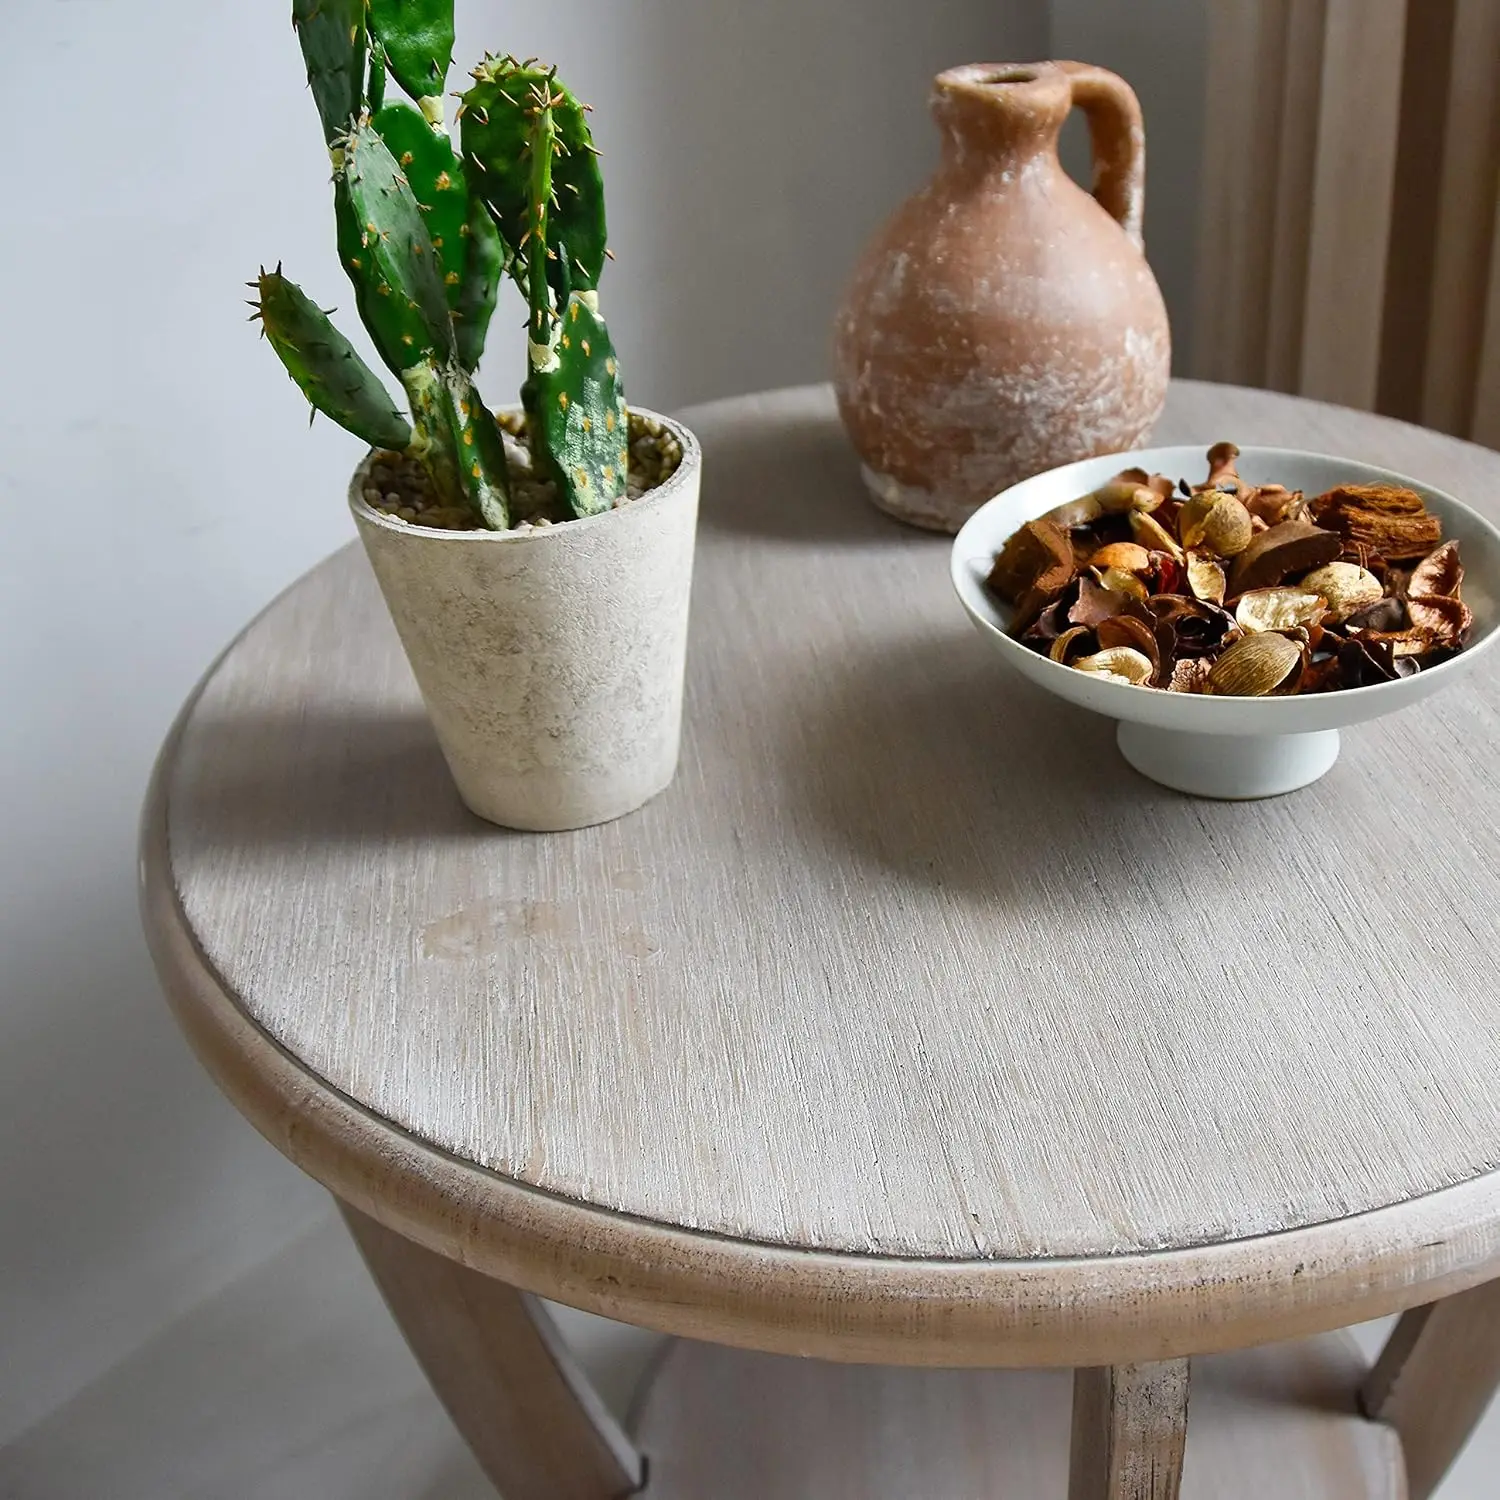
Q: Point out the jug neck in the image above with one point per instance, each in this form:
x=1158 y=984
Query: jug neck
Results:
x=994 y=115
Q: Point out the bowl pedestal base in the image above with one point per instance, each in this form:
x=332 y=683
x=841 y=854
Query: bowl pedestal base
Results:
x=1234 y=768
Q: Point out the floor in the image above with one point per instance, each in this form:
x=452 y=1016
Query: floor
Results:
x=292 y=1382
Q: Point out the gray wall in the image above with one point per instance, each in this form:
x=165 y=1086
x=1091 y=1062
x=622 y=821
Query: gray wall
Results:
x=160 y=484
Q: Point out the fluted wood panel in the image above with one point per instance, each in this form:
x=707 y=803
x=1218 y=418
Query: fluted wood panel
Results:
x=1349 y=208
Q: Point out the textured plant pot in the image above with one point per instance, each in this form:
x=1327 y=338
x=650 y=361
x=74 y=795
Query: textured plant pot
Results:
x=550 y=659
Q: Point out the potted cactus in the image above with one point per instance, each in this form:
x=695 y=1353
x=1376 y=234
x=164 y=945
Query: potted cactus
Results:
x=536 y=560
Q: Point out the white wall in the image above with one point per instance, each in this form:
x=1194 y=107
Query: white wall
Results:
x=158 y=484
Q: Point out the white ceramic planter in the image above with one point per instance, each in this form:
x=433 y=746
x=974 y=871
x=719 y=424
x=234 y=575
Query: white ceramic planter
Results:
x=550 y=659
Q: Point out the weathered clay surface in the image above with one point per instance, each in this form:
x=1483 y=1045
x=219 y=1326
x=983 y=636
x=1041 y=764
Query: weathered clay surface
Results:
x=550 y=659
x=1004 y=322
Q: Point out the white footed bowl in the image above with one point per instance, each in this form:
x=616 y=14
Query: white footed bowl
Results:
x=1234 y=748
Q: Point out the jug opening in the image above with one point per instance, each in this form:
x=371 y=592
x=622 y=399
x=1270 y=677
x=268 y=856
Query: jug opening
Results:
x=1006 y=75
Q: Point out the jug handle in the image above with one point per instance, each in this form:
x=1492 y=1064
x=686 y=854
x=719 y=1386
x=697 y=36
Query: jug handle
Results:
x=1118 y=139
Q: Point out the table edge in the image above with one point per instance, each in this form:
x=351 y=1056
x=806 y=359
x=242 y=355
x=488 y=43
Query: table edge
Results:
x=782 y=1299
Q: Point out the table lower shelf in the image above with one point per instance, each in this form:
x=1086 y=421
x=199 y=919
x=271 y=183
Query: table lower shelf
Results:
x=1274 y=1422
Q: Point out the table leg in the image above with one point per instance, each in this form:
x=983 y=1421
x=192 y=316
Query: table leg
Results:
x=1434 y=1379
x=500 y=1367
x=1129 y=1431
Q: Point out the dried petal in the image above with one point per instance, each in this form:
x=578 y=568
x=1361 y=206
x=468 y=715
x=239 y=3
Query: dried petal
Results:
x=1126 y=630
x=1095 y=603
x=1125 y=492
x=1385 y=615
x=1440 y=573
x=1152 y=535
x=1415 y=640
x=1346 y=586
x=1278 y=609
x=1255 y=666
x=1272 y=504
x=1206 y=577
x=1070 y=642
x=1447 y=620
x=1128 y=557
x=1119 y=664
x=1118 y=581
x=1190 y=675
x=1073 y=514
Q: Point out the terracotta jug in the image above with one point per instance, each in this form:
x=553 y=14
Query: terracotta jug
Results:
x=1004 y=322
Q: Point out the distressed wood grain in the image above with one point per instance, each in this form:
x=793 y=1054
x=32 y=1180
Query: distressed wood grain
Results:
x=1129 y=1431
x=909 y=1023
x=502 y=1370
x=1435 y=1378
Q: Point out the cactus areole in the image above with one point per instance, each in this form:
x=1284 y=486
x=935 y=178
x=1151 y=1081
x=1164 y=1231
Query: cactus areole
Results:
x=426 y=232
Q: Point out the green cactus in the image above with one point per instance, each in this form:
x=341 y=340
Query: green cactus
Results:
x=465 y=240
x=426 y=235
x=484 y=264
x=396 y=268
x=324 y=364
x=416 y=37
x=502 y=116
x=332 y=36
x=458 y=442
x=575 y=406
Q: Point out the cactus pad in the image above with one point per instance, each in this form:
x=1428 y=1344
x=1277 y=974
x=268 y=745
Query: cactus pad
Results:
x=325 y=365
x=497 y=123
x=484 y=263
x=388 y=253
x=417 y=39
x=575 y=405
x=332 y=37
x=459 y=442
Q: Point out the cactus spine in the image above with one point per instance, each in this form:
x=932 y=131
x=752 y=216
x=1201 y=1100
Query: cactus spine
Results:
x=425 y=234
x=527 y=142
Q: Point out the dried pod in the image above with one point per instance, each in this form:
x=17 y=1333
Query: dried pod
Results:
x=1278 y=609
x=1192 y=514
x=1190 y=675
x=1118 y=581
x=1222 y=473
x=1119 y=664
x=1440 y=574
x=1226 y=529
x=1129 y=557
x=1206 y=577
x=1291 y=547
x=1037 y=550
x=1126 y=630
x=1255 y=666
x=1075 y=514
x=1346 y=586
x=1447 y=620
x=1388 y=518
x=1152 y=535
x=1070 y=642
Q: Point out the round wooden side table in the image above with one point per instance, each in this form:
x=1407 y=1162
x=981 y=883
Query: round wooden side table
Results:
x=909 y=1030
